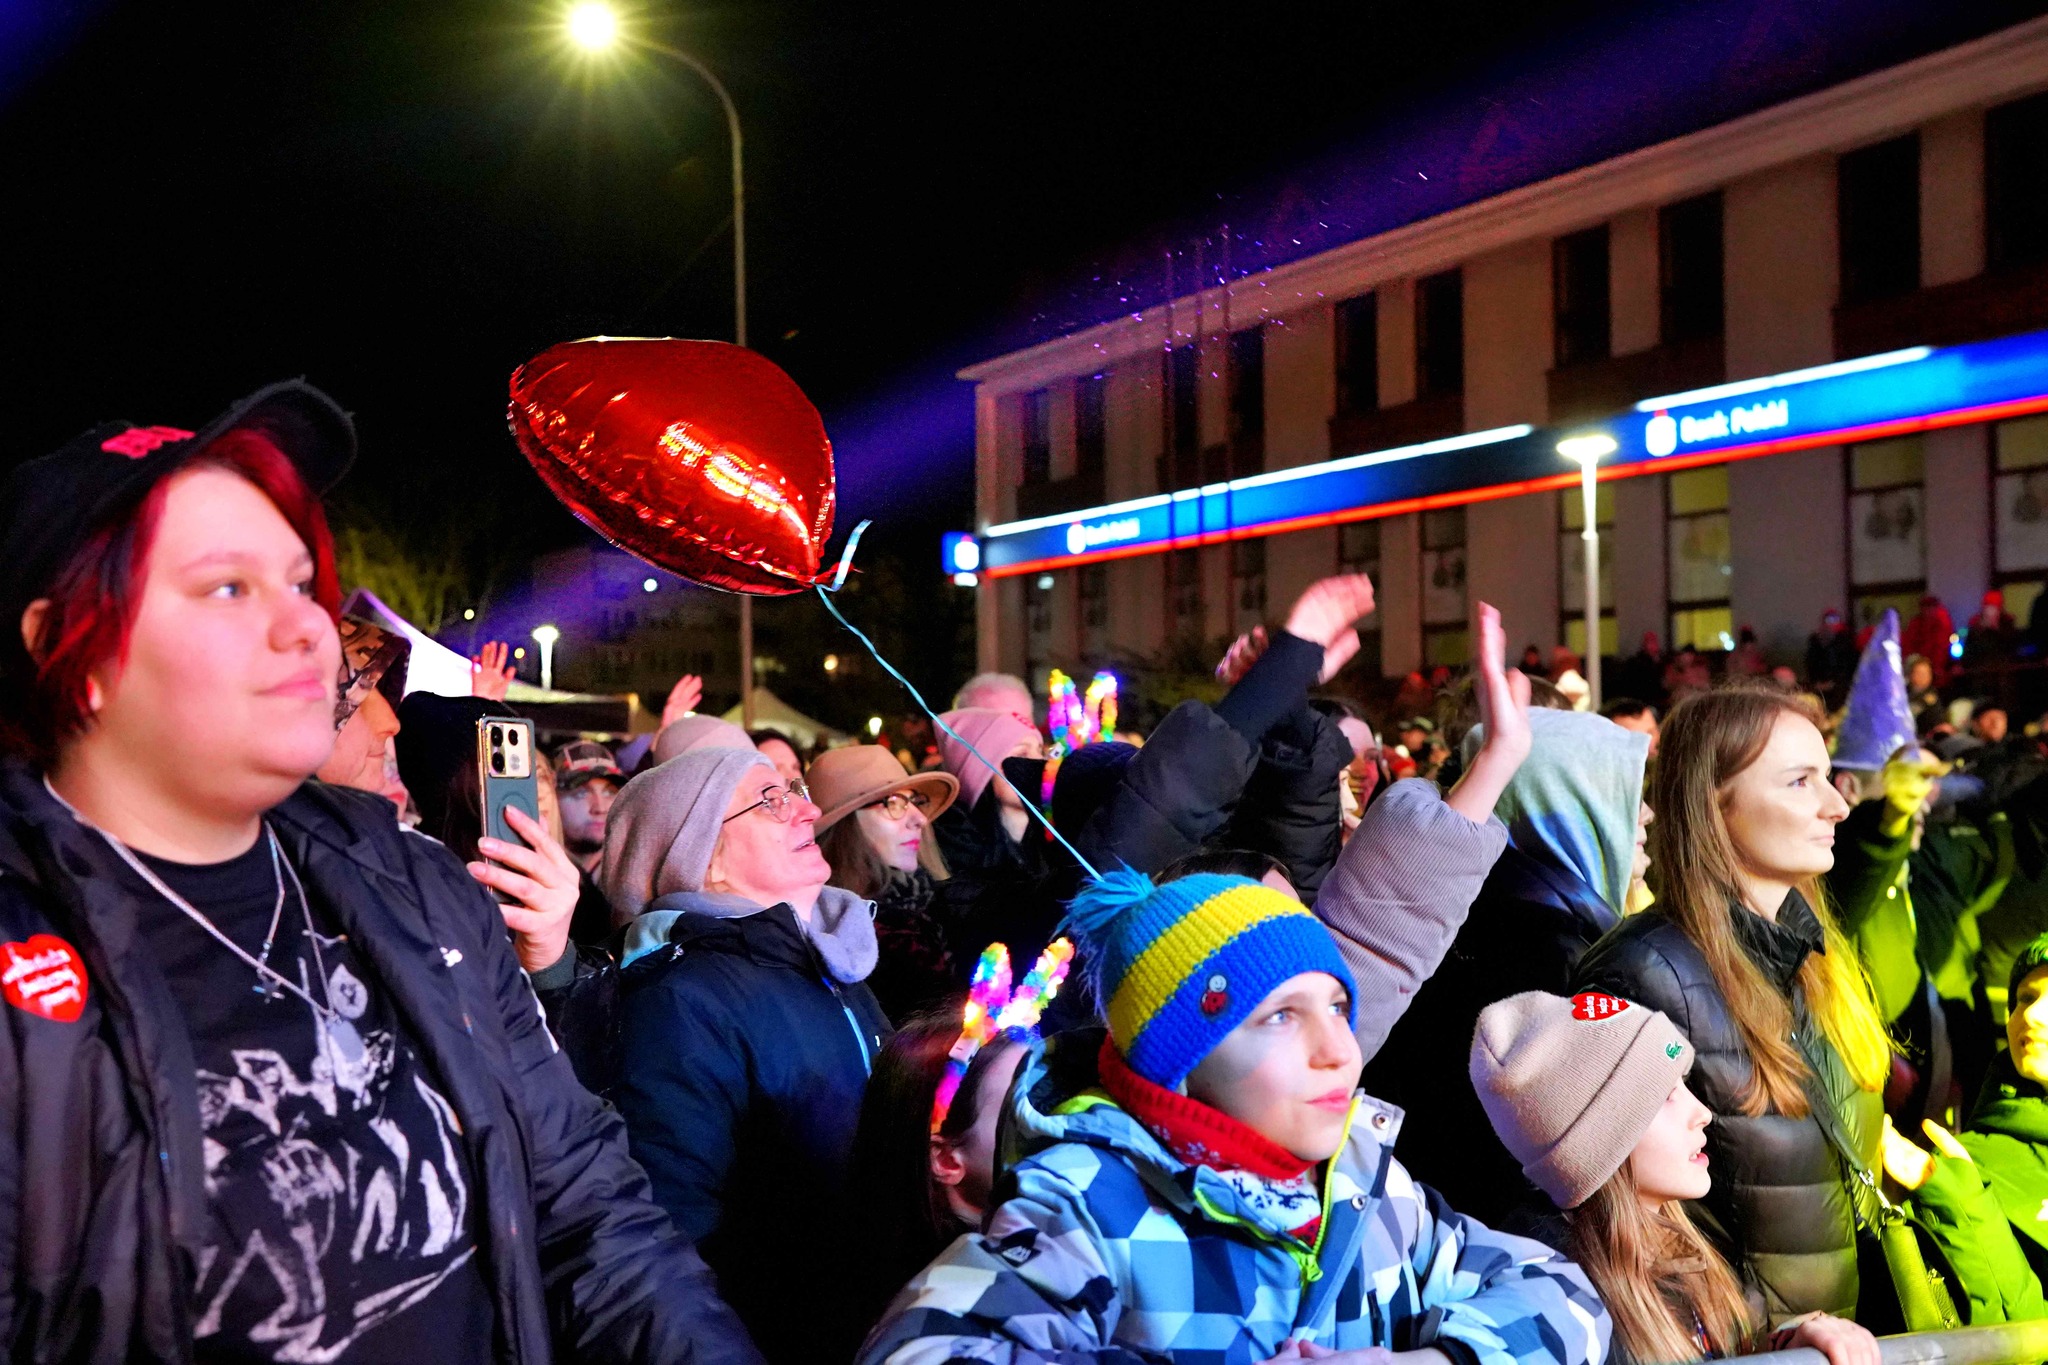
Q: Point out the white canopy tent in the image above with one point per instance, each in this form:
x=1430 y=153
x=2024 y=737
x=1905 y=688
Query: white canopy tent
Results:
x=773 y=713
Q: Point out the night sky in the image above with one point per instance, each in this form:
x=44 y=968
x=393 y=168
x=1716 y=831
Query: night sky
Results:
x=403 y=201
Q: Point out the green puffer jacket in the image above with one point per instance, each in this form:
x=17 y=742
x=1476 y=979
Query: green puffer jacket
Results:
x=2008 y=1139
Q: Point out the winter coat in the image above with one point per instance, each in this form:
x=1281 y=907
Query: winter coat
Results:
x=914 y=968
x=1258 y=770
x=2007 y=1138
x=1290 y=808
x=1528 y=929
x=1000 y=889
x=1398 y=894
x=1780 y=1204
x=105 y=1199
x=746 y=1048
x=1104 y=1246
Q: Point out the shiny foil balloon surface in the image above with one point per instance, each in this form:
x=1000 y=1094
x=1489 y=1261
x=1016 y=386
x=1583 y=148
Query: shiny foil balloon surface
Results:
x=698 y=456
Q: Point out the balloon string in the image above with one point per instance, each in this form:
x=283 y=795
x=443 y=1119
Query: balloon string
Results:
x=825 y=596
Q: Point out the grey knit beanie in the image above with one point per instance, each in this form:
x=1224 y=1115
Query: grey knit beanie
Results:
x=665 y=823
x=1571 y=1085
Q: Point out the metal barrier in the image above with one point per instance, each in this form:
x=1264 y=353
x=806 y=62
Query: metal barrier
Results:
x=2005 y=1343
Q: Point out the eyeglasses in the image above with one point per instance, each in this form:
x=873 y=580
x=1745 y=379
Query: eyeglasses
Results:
x=897 y=804
x=780 y=801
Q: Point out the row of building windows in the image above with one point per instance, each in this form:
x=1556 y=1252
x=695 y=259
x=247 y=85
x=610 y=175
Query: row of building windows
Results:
x=1878 y=208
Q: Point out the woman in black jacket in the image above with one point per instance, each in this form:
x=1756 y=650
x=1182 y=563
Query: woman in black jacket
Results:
x=746 y=1030
x=276 y=1087
x=1743 y=955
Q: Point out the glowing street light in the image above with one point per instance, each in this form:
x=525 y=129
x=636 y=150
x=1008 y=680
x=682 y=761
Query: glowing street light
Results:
x=874 y=727
x=1586 y=452
x=545 y=637
x=593 y=26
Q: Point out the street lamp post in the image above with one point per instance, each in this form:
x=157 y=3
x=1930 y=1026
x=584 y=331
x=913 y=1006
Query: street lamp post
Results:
x=594 y=27
x=1587 y=452
x=545 y=637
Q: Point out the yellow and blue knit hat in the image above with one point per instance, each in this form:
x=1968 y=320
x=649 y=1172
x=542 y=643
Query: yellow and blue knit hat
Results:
x=1179 y=966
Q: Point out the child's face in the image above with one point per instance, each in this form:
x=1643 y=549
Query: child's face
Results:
x=1670 y=1159
x=1288 y=1072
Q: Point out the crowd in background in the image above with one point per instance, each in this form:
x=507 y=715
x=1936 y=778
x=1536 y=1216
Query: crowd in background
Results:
x=1507 y=1032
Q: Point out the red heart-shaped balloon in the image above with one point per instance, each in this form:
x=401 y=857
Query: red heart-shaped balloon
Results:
x=698 y=456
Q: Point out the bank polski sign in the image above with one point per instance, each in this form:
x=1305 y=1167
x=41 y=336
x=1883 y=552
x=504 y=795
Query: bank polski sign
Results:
x=1662 y=435
x=1083 y=536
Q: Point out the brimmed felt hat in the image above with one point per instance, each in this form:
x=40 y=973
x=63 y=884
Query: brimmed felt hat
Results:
x=844 y=780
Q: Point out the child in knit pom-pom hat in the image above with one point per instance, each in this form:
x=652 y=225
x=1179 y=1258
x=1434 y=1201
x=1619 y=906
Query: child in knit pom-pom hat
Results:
x=1204 y=1182
x=1589 y=1095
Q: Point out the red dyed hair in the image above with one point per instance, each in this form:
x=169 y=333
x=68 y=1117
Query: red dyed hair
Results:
x=94 y=599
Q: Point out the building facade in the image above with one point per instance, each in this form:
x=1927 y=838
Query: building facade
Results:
x=1904 y=210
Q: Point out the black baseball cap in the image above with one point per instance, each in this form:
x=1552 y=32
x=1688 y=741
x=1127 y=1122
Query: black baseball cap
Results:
x=52 y=503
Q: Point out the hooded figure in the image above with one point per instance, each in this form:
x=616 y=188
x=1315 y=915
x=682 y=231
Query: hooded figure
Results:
x=1573 y=817
x=745 y=1029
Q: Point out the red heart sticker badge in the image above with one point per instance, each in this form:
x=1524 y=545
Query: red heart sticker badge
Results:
x=43 y=977
x=1592 y=1005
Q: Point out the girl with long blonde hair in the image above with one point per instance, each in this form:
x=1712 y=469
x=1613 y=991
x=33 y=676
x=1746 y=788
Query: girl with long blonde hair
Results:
x=1590 y=1095
x=1742 y=952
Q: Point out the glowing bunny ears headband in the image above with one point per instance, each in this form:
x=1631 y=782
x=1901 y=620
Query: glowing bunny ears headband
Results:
x=993 y=1009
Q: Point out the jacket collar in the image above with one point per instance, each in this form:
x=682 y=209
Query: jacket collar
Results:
x=2011 y=1104
x=1058 y=1098
x=841 y=932
x=1779 y=947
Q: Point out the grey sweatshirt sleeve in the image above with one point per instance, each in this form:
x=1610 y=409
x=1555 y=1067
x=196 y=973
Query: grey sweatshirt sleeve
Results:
x=1399 y=893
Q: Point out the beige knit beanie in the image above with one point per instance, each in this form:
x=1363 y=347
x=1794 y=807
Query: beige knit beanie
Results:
x=1571 y=1085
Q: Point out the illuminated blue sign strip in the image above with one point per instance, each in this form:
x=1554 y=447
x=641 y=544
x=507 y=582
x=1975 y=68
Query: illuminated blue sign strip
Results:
x=1284 y=495
x=1862 y=399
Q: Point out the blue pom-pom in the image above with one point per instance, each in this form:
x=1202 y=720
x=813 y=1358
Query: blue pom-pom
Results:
x=1105 y=897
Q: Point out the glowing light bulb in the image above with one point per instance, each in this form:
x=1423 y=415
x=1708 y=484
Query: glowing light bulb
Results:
x=593 y=26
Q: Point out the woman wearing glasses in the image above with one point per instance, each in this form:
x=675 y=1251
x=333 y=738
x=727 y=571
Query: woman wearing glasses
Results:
x=746 y=1028
x=876 y=835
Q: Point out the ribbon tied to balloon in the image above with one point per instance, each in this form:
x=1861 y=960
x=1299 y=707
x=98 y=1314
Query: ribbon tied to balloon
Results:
x=700 y=457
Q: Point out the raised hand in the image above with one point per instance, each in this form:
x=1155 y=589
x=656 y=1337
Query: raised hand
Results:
x=1503 y=694
x=490 y=673
x=682 y=699
x=544 y=886
x=1241 y=655
x=1326 y=613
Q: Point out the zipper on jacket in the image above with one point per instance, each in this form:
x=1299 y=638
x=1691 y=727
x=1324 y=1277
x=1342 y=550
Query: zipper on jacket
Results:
x=867 y=1063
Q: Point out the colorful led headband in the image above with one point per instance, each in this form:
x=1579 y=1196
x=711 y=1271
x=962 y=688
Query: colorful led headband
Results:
x=1075 y=722
x=994 y=1010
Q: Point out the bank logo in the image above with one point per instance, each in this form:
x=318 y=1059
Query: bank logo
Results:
x=1660 y=435
x=1082 y=537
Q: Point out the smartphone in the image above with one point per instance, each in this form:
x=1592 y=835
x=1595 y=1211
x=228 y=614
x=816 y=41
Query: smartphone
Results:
x=507 y=775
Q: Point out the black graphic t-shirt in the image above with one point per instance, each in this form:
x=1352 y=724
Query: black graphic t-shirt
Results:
x=339 y=1193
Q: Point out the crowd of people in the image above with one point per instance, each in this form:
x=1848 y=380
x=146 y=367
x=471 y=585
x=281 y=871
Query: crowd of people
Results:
x=1537 y=1036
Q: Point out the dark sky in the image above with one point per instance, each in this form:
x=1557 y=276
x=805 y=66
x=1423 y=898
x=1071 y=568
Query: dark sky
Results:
x=403 y=201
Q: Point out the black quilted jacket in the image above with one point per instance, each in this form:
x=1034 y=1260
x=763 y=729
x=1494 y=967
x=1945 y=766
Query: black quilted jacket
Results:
x=1779 y=1205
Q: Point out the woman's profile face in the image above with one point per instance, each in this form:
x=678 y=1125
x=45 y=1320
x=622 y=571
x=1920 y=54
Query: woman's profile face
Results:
x=895 y=842
x=228 y=687
x=1670 y=1158
x=1781 y=810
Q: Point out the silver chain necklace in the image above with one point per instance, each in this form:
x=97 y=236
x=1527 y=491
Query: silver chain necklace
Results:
x=337 y=1032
